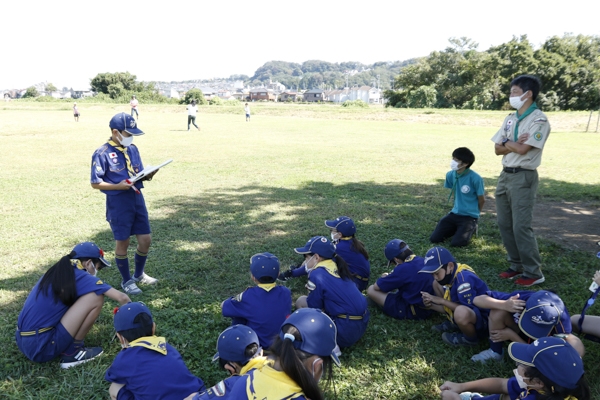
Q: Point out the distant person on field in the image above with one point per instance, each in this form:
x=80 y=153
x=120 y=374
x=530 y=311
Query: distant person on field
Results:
x=247 y=110
x=520 y=142
x=265 y=306
x=467 y=188
x=147 y=367
x=399 y=292
x=192 y=109
x=75 y=112
x=134 y=106
x=62 y=307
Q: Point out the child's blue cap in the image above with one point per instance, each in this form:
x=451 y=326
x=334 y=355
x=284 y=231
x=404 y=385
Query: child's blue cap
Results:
x=318 y=333
x=126 y=314
x=317 y=245
x=542 y=313
x=556 y=359
x=394 y=248
x=435 y=258
x=90 y=250
x=264 y=265
x=232 y=343
x=125 y=122
x=343 y=225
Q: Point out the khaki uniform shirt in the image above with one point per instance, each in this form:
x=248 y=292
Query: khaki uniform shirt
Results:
x=537 y=126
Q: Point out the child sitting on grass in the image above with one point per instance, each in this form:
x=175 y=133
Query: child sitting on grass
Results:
x=265 y=306
x=147 y=367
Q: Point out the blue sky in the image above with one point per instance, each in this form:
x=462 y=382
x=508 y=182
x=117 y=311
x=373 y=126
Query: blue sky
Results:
x=69 y=42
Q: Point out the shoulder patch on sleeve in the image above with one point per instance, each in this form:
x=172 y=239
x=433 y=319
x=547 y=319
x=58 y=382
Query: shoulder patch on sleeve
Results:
x=464 y=287
x=99 y=282
x=538 y=136
x=218 y=390
x=542 y=119
x=238 y=298
x=310 y=286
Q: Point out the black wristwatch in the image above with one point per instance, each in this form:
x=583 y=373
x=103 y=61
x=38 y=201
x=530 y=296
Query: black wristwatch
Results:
x=504 y=141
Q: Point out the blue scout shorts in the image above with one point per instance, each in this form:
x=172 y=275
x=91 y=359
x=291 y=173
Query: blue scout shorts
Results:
x=127 y=215
x=45 y=346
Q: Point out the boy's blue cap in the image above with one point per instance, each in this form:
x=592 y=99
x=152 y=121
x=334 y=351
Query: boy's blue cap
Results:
x=393 y=249
x=435 y=258
x=317 y=330
x=90 y=250
x=264 y=265
x=126 y=314
x=556 y=359
x=542 y=313
x=232 y=343
x=343 y=225
x=125 y=122
x=317 y=245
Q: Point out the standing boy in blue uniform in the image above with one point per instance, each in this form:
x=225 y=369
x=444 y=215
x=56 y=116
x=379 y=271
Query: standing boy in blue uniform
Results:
x=399 y=292
x=147 y=367
x=456 y=287
x=263 y=307
x=113 y=164
x=467 y=187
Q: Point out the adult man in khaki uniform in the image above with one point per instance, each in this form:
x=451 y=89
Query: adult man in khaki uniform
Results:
x=520 y=141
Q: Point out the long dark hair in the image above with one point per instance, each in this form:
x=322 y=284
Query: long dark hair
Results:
x=61 y=277
x=359 y=247
x=554 y=391
x=291 y=361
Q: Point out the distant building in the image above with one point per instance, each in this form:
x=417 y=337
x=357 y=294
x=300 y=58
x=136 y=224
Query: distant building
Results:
x=288 y=96
x=314 y=95
x=262 y=94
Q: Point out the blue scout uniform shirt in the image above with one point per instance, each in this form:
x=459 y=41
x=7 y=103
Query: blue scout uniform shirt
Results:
x=406 y=278
x=41 y=311
x=359 y=266
x=466 y=189
x=222 y=390
x=266 y=383
x=109 y=165
x=152 y=369
x=466 y=285
x=262 y=308
x=564 y=326
x=514 y=392
x=334 y=295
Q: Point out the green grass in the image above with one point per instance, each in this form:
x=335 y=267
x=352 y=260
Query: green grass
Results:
x=238 y=188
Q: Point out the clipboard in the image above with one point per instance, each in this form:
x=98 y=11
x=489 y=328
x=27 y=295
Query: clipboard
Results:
x=148 y=170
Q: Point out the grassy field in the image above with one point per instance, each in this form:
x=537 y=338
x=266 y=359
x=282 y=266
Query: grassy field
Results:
x=236 y=189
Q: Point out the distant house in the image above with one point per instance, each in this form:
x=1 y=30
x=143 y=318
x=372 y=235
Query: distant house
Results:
x=339 y=95
x=262 y=94
x=314 y=95
x=276 y=86
x=81 y=93
x=288 y=96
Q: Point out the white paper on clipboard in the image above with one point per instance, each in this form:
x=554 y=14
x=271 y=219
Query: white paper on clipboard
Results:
x=148 y=170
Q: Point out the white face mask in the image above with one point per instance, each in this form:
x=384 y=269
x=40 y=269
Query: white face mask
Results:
x=334 y=236
x=306 y=264
x=313 y=370
x=454 y=165
x=520 y=380
x=516 y=102
x=95 y=270
x=125 y=141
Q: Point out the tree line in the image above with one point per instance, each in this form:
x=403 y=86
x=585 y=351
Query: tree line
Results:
x=462 y=77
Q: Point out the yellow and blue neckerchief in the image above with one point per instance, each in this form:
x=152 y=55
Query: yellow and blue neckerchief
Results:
x=123 y=150
x=155 y=343
x=459 y=269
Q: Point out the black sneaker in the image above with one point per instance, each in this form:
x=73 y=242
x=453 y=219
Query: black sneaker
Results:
x=81 y=356
x=446 y=326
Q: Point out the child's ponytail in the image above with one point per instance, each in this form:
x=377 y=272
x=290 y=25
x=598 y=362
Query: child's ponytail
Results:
x=61 y=277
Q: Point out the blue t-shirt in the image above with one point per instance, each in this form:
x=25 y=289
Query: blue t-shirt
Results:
x=357 y=262
x=514 y=392
x=410 y=283
x=262 y=308
x=109 y=165
x=465 y=287
x=41 y=311
x=149 y=374
x=467 y=188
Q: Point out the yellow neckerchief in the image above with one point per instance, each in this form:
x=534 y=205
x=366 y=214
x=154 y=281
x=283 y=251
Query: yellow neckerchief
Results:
x=123 y=150
x=409 y=258
x=459 y=269
x=346 y=238
x=156 y=343
x=276 y=384
x=256 y=362
x=267 y=286
x=77 y=263
x=330 y=266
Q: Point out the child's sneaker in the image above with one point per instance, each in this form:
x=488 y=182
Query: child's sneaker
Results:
x=130 y=287
x=469 y=396
x=82 y=355
x=458 y=339
x=526 y=282
x=509 y=274
x=145 y=279
x=486 y=355
x=446 y=326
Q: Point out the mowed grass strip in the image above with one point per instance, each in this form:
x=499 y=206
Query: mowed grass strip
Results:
x=237 y=188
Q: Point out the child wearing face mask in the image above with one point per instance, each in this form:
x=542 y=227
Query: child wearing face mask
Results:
x=332 y=290
x=147 y=367
x=467 y=188
x=113 y=164
x=547 y=369
x=62 y=307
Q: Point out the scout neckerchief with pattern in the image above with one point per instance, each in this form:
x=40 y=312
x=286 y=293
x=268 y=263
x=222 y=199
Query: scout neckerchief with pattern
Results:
x=123 y=150
x=330 y=266
x=156 y=343
x=459 y=269
x=456 y=176
x=531 y=109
